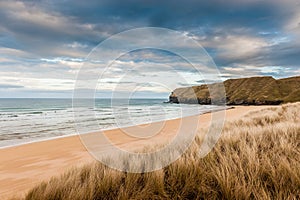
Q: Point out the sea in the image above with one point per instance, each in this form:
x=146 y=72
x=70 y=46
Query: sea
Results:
x=32 y=119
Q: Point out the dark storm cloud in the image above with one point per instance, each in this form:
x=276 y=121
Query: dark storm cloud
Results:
x=174 y=14
x=112 y=16
x=257 y=37
x=70 y=20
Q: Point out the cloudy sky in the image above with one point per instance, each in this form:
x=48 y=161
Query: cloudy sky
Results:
x=43 y=44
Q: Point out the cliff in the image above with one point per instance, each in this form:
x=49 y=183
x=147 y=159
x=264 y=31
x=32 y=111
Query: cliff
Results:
x=244 y=91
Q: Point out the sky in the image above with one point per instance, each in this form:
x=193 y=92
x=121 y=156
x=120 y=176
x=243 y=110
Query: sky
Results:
x=44 y=44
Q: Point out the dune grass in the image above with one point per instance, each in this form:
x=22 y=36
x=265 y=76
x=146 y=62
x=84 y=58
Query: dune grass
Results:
x=257 y=157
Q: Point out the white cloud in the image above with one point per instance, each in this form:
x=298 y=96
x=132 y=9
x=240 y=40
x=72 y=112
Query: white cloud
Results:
x=273 y=69
x=236 y=46
x=76 y=45
x=36 y=16
x=14 y=53
x=38 y=83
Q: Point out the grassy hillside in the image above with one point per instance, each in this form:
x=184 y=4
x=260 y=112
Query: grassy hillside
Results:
x=257 y=157
x=290 y=88
x=251 y=91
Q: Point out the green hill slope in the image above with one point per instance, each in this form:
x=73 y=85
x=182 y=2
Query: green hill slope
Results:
x=244 y=91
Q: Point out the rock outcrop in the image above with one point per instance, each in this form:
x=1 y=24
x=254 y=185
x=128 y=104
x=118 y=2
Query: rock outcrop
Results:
x=244 y=91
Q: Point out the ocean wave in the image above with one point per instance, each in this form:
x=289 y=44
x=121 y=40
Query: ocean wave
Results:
x=50 y=118
x=35 y=113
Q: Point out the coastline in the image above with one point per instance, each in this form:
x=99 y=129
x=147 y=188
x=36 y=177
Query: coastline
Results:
x=30 y=141
x=26 y=165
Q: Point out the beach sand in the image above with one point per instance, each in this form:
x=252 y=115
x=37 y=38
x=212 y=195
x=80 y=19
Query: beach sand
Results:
x=24 y=166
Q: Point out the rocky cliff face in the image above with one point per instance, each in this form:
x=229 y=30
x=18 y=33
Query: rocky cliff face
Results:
x=244 y=91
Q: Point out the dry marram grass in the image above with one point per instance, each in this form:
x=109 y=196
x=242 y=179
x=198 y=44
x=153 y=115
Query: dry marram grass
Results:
x=257 y=157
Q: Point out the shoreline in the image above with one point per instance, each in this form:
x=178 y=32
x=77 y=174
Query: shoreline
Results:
x=27 y=165
x=105 y=129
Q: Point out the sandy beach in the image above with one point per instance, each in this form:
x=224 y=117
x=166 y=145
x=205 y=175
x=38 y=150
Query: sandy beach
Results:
x=24 y=166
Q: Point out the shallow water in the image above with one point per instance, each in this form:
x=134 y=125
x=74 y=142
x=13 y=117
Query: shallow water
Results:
x=28 y=120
